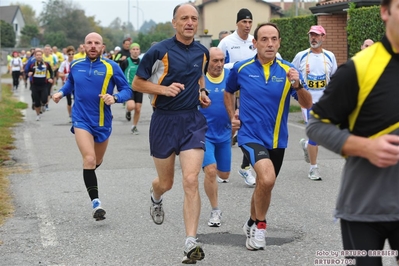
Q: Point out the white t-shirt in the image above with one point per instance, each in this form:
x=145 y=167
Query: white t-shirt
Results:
x=236 y=49
x=316 y=69
x=64 y=68
x=16 y=64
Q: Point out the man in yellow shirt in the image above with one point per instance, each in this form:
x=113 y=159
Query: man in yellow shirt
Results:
x=81 y=52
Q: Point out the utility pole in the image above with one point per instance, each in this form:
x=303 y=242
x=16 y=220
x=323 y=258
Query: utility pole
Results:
x=128 y=18
x=138 y=29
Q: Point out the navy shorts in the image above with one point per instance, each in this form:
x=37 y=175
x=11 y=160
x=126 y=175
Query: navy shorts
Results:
x=176 y=131
x=100 y=134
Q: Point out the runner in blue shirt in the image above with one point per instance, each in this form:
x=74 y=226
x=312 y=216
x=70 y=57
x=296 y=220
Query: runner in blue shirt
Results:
x=92 y=80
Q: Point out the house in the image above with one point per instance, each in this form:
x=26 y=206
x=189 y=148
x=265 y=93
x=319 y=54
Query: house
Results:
x=221 y=15
x=13 y=16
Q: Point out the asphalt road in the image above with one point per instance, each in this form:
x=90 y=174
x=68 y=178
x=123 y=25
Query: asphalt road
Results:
x=52 y=223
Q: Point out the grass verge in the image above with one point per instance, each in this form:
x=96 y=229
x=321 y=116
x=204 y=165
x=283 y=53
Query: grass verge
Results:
x=10 y=116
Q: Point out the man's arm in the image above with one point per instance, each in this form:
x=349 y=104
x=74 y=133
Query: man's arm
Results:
x=142 y=85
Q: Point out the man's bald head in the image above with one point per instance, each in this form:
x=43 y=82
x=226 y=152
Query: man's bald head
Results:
x=367 y=43
x=94 y=45
x=216 y=62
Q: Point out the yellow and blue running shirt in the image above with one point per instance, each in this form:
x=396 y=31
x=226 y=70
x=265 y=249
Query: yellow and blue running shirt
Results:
x=264 y=101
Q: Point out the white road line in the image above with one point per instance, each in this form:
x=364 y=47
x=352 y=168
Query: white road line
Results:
x=296 y=125
x=46 y=225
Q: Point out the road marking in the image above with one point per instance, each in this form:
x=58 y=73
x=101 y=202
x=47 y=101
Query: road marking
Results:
x=296 y=125
x=46 y=225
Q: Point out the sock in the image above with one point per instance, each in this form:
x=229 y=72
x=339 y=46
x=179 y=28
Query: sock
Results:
x=154 y=200
x=250 y=222
x=98 y=165
x=190 y=239
x=313 y=166
x=215 y=209
x=90 y=179
x=260 y=224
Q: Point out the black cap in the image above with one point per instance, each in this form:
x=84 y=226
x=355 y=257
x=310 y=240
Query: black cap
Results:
x=244 y=14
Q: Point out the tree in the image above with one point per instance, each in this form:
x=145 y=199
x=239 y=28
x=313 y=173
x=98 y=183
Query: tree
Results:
x=55 y=39
x=28 y=33
x=7 y=34
x=29 y=14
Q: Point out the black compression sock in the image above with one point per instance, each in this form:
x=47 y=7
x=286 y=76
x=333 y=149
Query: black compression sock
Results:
x=90 y=179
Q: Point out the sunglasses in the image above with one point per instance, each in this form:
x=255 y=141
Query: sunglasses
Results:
x=71 y=54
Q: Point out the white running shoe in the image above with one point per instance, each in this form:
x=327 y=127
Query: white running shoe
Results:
x=38 y=118
x=220 y=180
x=156 y=211
x=302 y=143
x=215 y=218
x=257 y=239
x=246 y=173
x=98 y=211
x=192 y=252
x=314 y=174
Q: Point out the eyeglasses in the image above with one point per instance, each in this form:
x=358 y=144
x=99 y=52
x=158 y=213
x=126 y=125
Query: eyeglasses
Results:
x=71 y=54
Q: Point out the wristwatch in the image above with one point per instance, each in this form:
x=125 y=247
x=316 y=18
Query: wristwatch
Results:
x=300 y=86
x=206 y=91
x=115 y=98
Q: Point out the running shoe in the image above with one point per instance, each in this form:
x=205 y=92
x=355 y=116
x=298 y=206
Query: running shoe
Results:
x=98 y=211
x=128 y=116
x=246 y=173
x=257 y=239
x=302 y=143
x=156 y=211
x=220 y=180
x=247 y=232
x=192 y=252
x=38 y=118
x=134 y=130
x=215 y=218
x=314 y=174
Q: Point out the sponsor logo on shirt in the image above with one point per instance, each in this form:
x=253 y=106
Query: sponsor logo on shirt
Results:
x=235 y=47
x=253 y=76
x=277 y=79
x=98 y=73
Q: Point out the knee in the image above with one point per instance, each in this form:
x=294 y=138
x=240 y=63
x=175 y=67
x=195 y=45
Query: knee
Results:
x=89 y=162
x=210 y=172
x=165 y=185
x=190 y=184
x=266 y=182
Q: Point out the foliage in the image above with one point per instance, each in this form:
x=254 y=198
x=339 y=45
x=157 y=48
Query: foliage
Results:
x=294 y=37
x=364 y=23
x=291 y=12
x=7 y=34
x=158 y=33
x=29 y=14
x=27 y=34
x=68 y=24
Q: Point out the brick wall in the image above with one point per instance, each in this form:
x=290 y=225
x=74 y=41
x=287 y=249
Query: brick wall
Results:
x=336 y=39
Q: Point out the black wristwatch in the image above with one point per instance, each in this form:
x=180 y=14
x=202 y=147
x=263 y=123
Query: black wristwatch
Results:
x=300 y=86
x=115 y=98
x=206 y=91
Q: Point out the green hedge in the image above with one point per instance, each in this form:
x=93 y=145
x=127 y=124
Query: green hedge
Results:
x=294 y=34
x=364 y=23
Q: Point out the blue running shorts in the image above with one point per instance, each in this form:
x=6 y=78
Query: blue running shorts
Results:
x=219 y=153
x=100 y=134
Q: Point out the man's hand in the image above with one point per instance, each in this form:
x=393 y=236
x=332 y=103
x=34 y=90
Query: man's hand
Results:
x=107 y=98
x=57 y=97
x=205 y=101
x=235 y=121
x=383 y=151
x=173 y=89
x=293 y=77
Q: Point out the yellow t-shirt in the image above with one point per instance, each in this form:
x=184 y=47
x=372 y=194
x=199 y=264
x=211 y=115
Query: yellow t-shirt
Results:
x=79 y=55
x=49 y=59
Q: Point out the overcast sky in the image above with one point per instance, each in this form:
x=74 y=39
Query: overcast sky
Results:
x=107 y=10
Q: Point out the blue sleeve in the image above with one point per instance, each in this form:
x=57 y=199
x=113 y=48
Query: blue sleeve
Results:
x=68 y=86
x=125 y=92
x=231 y=85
